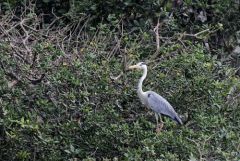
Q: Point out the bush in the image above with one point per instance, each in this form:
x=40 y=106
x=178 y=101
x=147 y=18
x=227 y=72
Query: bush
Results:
x=59 y=101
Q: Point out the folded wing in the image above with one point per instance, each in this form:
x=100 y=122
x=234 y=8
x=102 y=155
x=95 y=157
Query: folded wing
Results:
x=160 y=105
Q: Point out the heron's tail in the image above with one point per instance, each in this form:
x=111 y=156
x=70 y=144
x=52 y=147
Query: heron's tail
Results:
x=178 y=120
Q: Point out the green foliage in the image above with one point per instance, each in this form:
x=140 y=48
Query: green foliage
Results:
x=78 y=112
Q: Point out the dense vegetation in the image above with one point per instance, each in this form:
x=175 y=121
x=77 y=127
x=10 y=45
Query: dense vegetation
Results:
x=60 y=99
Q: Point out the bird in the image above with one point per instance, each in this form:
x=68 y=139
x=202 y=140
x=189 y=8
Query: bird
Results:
x=154 y=101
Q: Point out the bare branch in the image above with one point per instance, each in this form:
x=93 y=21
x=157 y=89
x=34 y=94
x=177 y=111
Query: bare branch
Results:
x=157 y=36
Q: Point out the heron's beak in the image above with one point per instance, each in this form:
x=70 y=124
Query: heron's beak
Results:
x=133 y=67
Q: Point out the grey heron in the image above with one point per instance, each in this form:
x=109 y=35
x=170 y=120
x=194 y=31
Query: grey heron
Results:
x=153 y=100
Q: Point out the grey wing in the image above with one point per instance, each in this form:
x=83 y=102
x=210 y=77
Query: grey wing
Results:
x=160 y=105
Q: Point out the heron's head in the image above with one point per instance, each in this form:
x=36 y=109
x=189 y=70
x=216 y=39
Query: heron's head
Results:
x=140 y=65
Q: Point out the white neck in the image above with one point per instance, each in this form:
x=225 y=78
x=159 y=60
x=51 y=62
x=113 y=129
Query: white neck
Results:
x=140 y=91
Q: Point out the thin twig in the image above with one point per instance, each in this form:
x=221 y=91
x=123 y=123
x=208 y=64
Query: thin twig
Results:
x=156 y=30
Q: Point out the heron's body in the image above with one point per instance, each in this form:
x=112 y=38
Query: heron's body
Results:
x=153 y=100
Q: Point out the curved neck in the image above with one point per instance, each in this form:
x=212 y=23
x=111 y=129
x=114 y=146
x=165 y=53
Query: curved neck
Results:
x=142 y=79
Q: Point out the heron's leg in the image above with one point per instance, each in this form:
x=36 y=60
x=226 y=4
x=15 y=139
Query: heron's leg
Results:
x=156 y=116
x=161 y=122
x=160 y=118
x=159 y=126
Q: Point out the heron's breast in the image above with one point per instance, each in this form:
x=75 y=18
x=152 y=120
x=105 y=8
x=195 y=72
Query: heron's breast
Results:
x=143 y=99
